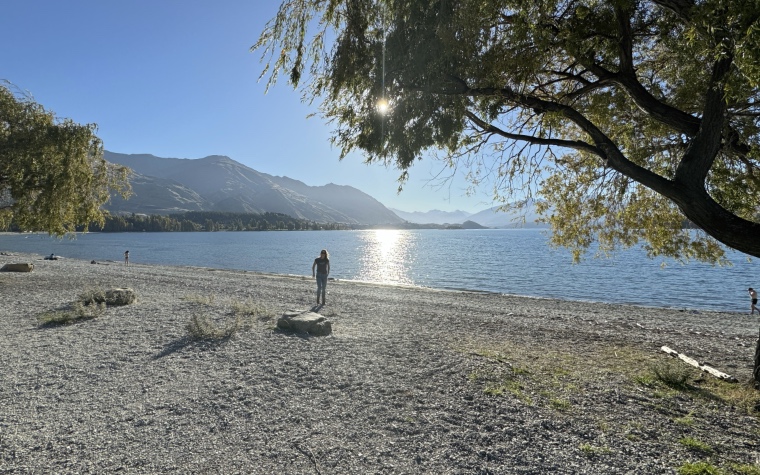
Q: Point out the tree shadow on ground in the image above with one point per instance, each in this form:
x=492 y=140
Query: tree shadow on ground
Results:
x=293 y=333
x=187 y=342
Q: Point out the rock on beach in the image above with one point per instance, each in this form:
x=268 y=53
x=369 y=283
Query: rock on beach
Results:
x=305 y=322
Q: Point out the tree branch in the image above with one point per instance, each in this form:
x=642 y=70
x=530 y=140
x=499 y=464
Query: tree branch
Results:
x=677 y=119
x=603 y=146
x=626 y=77
x=490 y=128
x=682 y=8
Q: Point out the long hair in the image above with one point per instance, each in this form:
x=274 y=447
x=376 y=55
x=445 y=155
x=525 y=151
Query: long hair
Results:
x=324 y=251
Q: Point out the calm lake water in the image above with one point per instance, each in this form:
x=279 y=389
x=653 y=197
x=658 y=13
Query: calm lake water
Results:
x=503 y=261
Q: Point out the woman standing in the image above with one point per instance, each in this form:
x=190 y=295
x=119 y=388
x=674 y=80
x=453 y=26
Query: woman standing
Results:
x=322 y=266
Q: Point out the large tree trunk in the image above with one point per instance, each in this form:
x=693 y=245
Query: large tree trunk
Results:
x=736 y=233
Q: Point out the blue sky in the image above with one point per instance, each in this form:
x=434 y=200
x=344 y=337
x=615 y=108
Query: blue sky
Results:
x=176 y=79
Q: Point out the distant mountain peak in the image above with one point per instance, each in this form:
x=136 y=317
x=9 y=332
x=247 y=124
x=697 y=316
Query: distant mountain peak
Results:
x=433 y=217
x=217 y=158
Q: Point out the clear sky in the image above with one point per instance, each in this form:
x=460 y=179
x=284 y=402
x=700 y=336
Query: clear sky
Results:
x=175 y=78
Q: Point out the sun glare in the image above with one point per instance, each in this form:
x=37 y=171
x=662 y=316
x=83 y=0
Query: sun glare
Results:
x=382 y=106
x=386 y=256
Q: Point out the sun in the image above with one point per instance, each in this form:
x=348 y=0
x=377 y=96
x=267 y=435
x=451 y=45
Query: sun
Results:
x=382 y=106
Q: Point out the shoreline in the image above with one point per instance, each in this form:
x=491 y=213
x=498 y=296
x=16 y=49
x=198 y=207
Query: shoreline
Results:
x=411 y=380
x=694 y=287
x=390 y=285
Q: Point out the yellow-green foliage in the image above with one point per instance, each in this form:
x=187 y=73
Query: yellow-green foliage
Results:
x=696 y=445
x=699 y=468
x=673 y=374
x=560 y=404
x=744 y=469
x=589 y=450
x=544 y=108
x=687 y=421
x=53 y=169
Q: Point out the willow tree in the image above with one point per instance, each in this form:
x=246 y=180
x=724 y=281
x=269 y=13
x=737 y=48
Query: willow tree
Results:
x=52 y=173
x=626 y=120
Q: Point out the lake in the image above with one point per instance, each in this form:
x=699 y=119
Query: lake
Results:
x=515 y=261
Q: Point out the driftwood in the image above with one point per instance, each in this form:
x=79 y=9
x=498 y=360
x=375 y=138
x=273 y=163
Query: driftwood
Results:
x=697 y=364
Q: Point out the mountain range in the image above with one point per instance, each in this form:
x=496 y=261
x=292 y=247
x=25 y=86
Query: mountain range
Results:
x=490 y=218
x=218 y=183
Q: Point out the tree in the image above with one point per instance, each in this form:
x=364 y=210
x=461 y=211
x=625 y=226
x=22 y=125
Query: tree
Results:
x=625 y=119
x=52 y=173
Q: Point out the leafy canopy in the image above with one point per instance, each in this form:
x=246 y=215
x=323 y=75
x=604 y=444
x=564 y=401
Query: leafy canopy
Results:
x=624 y=119
x=52 y=173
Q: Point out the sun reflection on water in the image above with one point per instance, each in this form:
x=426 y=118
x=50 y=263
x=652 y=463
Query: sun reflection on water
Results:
x=387 y=256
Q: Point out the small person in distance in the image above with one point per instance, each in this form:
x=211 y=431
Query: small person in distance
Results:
x=753 y=296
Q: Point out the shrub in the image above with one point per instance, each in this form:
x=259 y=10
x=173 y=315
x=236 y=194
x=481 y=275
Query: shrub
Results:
x=560 y=404
x=204 y=327
x=201 y=327
x=252 y=310
x=743 y=469
x=699 y=468
x=590 y=451
x=76 y=312
x=696 y=445
x=92 y=297
x=671 y=375
x=111 y=297
x=686 y=420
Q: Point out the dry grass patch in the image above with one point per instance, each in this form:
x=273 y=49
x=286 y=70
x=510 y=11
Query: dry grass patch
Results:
x=219 y=319
x=252 y=311
x=558 y=372
x=202 y=327
x=91 y=303
x=75 y=312
x=657 y=388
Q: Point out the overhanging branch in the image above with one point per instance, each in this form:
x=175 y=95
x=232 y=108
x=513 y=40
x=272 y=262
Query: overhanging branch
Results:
x=490 y=128
x=602 y=147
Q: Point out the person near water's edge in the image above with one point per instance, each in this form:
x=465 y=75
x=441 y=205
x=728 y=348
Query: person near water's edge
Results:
x=126 y=258
x=322 y=267
x=753 y=296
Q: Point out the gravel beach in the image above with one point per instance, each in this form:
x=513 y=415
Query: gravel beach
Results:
x=411 y=381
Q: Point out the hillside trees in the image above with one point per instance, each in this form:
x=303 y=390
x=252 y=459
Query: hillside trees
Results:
x=624 y=118
x=211 y=221
x=52 y=173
